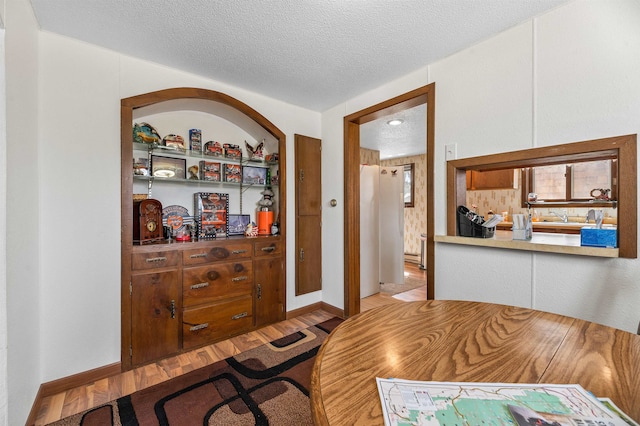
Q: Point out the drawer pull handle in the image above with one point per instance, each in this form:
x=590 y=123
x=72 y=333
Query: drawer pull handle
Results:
x=199 y=285
x=199 y=327
x=271 y=248
x=195 y=256
x=156 y=259
x=238 y=316
x=242 y=278
x=238 y=251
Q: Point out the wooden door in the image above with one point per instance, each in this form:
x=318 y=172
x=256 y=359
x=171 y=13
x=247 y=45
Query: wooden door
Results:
x=268 y=297
x=154 y=316
x=308 y=214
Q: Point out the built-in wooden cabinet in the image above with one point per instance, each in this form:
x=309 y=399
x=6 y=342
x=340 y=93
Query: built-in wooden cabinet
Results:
x=268 y=273
x=308 y=172
x=493 y=179
x=177 y=296
x=154 y=320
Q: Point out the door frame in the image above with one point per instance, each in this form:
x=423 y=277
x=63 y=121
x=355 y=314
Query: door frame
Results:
x=352 y=122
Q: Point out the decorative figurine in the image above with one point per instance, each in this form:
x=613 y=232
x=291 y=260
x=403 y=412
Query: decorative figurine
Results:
x=255 y=153
x=193 y=173
x=252 y=230
x=267 y=198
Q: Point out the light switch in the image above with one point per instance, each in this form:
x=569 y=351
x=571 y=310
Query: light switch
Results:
x=450 y=151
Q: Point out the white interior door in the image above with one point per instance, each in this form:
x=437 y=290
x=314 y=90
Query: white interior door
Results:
x=391 y=225
x=369 y=230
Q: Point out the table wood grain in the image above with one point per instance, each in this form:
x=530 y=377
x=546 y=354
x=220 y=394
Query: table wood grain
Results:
x=467 y=342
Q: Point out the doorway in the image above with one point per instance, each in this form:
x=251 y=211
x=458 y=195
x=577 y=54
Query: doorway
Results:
x=422 y=95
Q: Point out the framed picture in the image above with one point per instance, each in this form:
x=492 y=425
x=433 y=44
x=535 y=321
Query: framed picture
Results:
x=238 y=223
x=254 y=175
x=409 y=186
x=168 y=167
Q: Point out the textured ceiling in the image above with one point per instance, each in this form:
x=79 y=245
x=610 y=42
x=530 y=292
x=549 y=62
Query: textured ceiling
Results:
x=310 y=53
x=404 y=140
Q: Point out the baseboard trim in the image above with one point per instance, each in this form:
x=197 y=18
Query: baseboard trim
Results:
x=33 y=414
x=61 y=385
x=314 y=307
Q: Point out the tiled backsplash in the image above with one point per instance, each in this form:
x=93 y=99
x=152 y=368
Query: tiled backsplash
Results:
x=509 y=200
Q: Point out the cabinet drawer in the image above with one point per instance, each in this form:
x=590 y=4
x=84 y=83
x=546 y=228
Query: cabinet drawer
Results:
x=229 y=251
x=214 y=322
x=266 y=248
x=204 y=284
x=154 y=259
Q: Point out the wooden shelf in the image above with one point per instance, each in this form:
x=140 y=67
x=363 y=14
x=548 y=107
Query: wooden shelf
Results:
x=568 y=204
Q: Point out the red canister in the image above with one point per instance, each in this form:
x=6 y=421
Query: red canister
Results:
x=265 y=219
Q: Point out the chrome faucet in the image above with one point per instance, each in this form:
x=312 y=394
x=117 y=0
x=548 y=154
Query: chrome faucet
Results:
x=596 y=216
x=564 y=216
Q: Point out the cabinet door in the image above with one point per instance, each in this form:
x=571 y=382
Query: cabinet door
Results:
x=494 y=179
x=154 y=322
x=269 y=292
x=308 y=215
x=309 y=255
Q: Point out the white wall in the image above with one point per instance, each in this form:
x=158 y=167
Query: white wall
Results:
x=22 y=215
x=81 y=88
x=567 y=76
x=4 y=397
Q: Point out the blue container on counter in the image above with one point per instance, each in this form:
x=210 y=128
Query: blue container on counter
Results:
x=598 y=237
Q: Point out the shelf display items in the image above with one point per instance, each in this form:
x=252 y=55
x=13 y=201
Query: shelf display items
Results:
x=211 y=212
x=147 y=221
x=265 y=212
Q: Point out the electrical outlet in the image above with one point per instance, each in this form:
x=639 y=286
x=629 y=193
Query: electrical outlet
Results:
x=450 y=151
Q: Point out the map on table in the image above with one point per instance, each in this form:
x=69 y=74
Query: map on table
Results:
x=412 y=403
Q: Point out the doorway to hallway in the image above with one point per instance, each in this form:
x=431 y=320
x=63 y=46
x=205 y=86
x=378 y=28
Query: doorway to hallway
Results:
x=425 y=94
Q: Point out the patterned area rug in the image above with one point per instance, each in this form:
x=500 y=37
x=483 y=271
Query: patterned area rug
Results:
x=268 y=385
x=409 y=284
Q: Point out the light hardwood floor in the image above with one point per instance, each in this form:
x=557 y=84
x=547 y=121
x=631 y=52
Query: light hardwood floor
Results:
x=72 y=401
x=380 y=299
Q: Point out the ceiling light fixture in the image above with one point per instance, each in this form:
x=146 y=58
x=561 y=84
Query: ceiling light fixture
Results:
x=395 y=122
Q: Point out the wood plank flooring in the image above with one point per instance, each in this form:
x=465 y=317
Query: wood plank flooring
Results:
x=380 y=299
x=64 y=404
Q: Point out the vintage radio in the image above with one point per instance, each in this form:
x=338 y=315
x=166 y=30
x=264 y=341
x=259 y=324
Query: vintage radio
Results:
x=147 y=221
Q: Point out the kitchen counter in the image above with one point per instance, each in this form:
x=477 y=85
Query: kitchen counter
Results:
x=554 y=227
x=541 y=242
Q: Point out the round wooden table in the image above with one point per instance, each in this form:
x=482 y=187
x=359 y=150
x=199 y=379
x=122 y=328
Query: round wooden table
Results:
x=467 y=342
